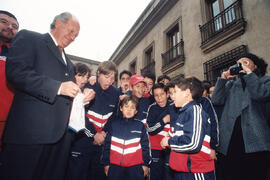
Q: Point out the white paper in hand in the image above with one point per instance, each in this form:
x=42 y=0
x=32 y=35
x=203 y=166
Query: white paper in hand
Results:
x=77 y=115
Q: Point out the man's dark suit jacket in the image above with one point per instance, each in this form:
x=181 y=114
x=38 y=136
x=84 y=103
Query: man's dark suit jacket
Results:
x=36 y=69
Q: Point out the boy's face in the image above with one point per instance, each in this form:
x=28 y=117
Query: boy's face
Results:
x=211 y=90
x=128 y=110
x=164 y=81
x=138 y=89
x=124 y=81
x=149 y=83
x=107 y=80
x=181 y=97
x=81 y=80
x=160 y=96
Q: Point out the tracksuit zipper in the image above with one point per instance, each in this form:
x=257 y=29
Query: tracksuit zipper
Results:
x=123 y=148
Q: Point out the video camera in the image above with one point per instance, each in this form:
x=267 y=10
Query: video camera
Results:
x=235 y=69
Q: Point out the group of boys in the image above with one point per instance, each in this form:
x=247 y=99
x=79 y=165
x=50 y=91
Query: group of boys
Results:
x=129 y=136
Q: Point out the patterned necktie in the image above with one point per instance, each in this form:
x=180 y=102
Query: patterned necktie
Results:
x=4 y=50
x=60 y=50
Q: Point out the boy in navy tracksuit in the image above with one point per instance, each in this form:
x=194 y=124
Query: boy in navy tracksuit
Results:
x=137 y=87
x=158 y=121
x=87 y=148
x=124 y=82
x=209 y=109
x=190 y=134
x=126 y=152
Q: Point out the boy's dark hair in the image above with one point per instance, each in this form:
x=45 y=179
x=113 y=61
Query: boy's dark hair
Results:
x=164 y=76
x=150 y=75
x=125 y=72
x=159 y=86
x=169 y=85
x=107 y=67
x=206 y=85
x=192 y=83
x=128 y=98
x=259 y=62
x=82 y=69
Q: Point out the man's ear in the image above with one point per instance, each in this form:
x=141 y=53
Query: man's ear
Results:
x=58 y=22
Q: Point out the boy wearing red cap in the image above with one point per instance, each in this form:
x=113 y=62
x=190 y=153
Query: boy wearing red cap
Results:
x=137 y=87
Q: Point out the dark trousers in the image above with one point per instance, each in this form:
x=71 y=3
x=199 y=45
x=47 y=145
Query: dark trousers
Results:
x=157 y=165
x=194 y=176
x=85 y=161
x=129 y=173
x=168 y=172
x=36 y=162
x=240 y=165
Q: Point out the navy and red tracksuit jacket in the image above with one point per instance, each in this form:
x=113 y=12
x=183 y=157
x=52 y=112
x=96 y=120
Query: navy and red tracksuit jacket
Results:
x=142 y=110
x=210 y=110
x=156 y=127
x=127 y=144
x=190 y=140
x=100 y=109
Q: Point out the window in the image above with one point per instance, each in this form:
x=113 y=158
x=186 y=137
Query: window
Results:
x=149 y=57
x=174 y=40
x=214 y=67
x=149 y=62
x=224 y=22
x=173 y=58
x=216 y=7
x=133 y=67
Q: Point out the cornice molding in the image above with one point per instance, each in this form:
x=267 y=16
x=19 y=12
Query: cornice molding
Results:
x=153 y=18
x=77 y=58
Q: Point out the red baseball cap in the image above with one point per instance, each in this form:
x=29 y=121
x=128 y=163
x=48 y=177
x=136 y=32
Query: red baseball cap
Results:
x=136 y=79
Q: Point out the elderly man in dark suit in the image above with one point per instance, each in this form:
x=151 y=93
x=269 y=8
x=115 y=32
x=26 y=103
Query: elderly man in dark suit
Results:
x=37 y=141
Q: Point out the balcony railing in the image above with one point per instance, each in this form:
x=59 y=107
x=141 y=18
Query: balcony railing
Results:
x=149 y=68
x=174 y=54
x=222 y=22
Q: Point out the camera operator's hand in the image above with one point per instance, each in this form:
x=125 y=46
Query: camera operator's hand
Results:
x=247 y=65
x=227 y=75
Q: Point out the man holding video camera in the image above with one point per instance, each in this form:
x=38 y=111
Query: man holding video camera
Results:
x=244 y=90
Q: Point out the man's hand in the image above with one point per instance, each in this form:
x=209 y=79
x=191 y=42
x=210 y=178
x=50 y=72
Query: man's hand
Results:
x=145 y=171
x=164 y=142
x=106 y=170
x=99 y=138
x=247 y=65
x=227 y=75
x=89 y=95
x=69 y=88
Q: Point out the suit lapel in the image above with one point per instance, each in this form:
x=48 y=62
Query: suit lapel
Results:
x=52 y=47
x=69 y=63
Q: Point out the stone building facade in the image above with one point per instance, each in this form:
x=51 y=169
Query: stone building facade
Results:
x=93 y=65
x=194 y=38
